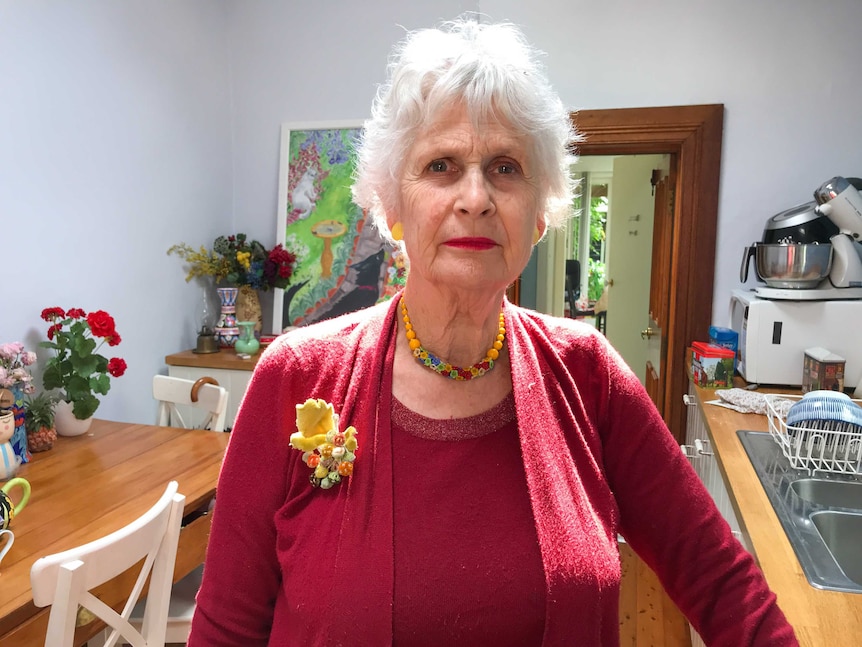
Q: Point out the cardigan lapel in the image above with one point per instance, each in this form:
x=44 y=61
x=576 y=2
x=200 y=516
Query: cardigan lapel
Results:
x=567 y=526
x=365 y=544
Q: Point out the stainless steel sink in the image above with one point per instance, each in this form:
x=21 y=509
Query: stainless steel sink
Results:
x=820 y=513
x=842 y=532
x=830 y=494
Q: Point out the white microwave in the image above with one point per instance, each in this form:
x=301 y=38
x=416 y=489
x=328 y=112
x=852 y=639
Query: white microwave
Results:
x=773 y=336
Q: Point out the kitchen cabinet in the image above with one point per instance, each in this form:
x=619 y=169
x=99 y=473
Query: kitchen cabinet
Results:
x=226 y=367
x=698 y=449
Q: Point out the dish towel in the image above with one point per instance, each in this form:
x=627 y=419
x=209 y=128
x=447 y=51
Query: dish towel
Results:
x=746 y=401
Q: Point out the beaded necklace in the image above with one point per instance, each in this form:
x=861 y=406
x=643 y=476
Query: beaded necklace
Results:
x=444 y=368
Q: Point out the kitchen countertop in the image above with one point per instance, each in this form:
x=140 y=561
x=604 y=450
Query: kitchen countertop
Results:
x=820 y=618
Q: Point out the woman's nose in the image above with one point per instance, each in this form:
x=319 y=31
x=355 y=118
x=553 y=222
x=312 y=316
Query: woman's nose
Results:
x=474 y=194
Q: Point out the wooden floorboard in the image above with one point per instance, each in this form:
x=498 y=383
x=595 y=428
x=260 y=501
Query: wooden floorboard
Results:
x=648 y=618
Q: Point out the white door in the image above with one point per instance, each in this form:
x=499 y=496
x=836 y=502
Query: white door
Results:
x=629 y=257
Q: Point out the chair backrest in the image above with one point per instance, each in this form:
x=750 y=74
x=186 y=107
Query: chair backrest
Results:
x=573 y=282
x=204 y=394
x=64 y=580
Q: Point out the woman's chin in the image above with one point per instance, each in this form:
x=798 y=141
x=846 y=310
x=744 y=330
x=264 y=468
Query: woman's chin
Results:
x=470 y=277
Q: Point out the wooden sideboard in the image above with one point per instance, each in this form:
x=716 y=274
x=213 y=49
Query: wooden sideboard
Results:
x=229 y=369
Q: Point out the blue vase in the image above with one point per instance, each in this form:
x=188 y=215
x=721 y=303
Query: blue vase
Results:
x=19 y=437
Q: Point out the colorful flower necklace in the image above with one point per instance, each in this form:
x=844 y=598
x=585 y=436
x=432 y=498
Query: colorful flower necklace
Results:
x=444 y=368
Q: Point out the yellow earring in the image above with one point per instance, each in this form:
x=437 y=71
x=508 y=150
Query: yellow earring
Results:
x=397 y=231
x=537 y=236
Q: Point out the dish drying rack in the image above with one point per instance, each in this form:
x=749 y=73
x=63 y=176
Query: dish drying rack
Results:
x=831 y=446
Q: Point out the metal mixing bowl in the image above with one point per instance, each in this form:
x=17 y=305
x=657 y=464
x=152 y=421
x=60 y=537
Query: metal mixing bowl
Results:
x=793 y=266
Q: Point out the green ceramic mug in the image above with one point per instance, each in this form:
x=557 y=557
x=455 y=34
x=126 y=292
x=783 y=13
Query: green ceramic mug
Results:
x=8 y=510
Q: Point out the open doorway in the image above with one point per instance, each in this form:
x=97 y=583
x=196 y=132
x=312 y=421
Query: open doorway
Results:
x=685 y=261
x=609 y=243
x=586 y=242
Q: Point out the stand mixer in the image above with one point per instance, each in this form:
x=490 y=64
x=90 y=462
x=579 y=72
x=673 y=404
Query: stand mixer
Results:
x=840 y=201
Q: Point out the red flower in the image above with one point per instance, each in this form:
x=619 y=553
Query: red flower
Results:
x=114 y=339
x=280 y=263
x=54 y=329
x=49 y=314
x=76 y=313
x=101 y=324
x=116 y=366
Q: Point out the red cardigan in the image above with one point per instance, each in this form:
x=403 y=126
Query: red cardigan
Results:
x=598 y=458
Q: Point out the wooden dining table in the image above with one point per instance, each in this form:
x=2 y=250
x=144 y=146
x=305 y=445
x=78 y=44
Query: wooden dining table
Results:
x=88 y=486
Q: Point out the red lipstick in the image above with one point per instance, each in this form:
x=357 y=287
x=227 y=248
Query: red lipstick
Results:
x=471 y=243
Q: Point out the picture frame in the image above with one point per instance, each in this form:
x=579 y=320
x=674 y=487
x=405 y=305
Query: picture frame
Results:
x=342 y=264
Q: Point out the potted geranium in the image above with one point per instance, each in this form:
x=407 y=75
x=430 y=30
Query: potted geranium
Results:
x=77 y=368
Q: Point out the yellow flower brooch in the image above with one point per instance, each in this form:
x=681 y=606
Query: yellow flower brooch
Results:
x=326 y=450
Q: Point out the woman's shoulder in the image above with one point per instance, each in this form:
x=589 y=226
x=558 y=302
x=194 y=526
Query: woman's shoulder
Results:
x=562 y=332
x=336 y=335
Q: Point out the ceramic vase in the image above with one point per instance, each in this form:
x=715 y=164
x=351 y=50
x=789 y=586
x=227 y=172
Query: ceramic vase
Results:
x=19 y=436
x=247 y=343
x=226 y=330
x=248 y=308
x=66 y=423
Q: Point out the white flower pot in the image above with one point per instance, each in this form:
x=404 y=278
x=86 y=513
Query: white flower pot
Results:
x=66 y=423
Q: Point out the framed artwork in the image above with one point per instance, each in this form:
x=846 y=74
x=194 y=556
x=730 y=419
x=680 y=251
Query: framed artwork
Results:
x=342 y=262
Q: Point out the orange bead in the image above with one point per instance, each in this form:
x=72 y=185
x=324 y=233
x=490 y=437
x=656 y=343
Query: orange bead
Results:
x=345 y=469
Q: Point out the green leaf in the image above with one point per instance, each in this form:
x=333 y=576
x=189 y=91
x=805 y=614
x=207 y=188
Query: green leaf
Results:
x=77 y=388
x=84 y=365
x=51 y=378
x=84 y=407
x=100 y=384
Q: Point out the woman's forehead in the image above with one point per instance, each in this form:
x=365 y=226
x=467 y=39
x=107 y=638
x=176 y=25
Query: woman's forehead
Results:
x=455 y=128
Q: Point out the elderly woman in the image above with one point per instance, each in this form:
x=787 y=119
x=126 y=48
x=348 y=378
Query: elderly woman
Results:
x=447 y=468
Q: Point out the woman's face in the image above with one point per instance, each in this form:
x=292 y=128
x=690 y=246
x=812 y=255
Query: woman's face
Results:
x=469 y=203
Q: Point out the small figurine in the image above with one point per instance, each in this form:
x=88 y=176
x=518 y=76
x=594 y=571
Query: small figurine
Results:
x=9 y=460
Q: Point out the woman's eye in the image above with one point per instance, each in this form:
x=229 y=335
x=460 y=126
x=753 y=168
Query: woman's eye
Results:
x=506 y=168
x=438 y=166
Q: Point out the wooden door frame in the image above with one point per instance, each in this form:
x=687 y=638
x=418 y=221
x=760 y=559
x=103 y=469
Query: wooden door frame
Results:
x=693 y=134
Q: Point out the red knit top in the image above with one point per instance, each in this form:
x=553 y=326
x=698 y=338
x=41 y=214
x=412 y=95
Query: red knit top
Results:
x=468 y=570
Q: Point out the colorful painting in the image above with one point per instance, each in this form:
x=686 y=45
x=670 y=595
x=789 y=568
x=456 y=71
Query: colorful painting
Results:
x=342 y=262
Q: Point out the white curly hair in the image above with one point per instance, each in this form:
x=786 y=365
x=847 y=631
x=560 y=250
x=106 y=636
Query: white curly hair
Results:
x=497 y=74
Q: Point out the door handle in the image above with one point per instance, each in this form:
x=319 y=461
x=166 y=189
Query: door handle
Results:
x=648 y=333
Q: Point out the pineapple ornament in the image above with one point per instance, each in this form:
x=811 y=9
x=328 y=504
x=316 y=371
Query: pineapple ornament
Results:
x=39 y=421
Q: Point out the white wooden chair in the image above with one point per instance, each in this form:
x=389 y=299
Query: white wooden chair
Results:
x=204 y=394
x=64 y=580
